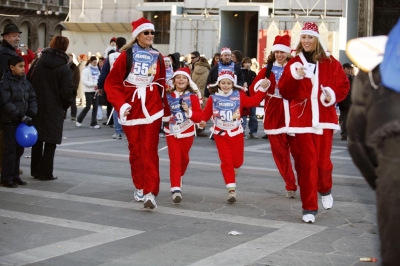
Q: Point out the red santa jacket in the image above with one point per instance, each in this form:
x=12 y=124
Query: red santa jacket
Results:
x=245 y=101
x=195 y=115
x=276 y=109
x=309 y=113
x=147 y=105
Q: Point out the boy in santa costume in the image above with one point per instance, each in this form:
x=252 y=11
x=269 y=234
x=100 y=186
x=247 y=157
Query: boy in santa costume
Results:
x=313 y=81
x=139 y=98
x=276 y=109
x=225 y=106
x=185 y=110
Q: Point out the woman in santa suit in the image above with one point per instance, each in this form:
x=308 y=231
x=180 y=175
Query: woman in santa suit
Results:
x=136 y=89
x=313 y=81
x=276 y=109
x=185 y=110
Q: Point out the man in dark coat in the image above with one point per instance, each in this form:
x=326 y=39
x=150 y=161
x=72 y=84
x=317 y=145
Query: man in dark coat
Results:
x=10 y=42
x=344 y=105
x=51 y=79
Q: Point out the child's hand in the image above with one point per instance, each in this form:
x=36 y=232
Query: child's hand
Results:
x=202 y=124
x=185 y=107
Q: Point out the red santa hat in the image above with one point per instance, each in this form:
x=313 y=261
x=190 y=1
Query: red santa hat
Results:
x=226 y=50
x=226 y=74
x=140 y=25
x=310 y=28
x=113 y=39
x=186 y=72
x=281 y=43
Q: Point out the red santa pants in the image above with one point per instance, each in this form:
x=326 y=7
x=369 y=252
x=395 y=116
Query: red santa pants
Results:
x=312 y=159
x=281 y=153
x=178 y=151
x=231 y=153
x=143 y=155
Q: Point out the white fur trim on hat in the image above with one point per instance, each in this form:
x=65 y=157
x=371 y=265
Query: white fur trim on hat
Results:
x=226 y=76
x=226 y=50
x=280 y=47
x=143 y=27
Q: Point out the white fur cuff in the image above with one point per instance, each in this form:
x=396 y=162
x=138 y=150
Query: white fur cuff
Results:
x=323 y=96
x=293 y=68
x=122 y=110
x=257 y=87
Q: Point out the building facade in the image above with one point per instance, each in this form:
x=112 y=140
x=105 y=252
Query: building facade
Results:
x=39 y=20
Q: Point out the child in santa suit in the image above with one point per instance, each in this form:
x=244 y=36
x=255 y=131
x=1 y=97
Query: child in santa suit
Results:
x=224 y=106
x=185 y=110
x=140 y=100
x=276 y=109
x=313 y=81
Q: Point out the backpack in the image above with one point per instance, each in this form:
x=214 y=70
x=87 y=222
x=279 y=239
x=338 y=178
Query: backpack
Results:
x=269 y=68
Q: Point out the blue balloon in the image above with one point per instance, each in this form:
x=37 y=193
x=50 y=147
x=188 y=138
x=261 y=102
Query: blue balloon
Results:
x=25 y=135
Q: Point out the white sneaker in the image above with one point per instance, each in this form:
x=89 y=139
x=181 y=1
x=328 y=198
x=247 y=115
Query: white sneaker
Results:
x=95 y=127
x=290 y=194
x=327 y=201
x=79 y=124
x=149 y=201
x=117 y=136
x=138 y=196
x=232 y=196
x=177 y=197
x=309 y=218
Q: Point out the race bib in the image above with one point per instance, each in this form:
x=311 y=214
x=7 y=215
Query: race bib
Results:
x=226 y=111
x=144 y=66
x=179 y=122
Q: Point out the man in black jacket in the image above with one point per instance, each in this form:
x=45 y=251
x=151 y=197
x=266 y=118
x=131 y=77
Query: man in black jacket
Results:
x=10 y=42
x=344 y=105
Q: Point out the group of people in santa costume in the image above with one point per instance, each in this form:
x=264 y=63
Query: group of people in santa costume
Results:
x=300 y=115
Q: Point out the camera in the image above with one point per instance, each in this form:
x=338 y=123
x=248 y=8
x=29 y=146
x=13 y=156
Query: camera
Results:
x=21 y=45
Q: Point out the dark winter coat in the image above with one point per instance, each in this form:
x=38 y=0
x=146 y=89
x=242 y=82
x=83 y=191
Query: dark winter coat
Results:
x=17 y=99
x=51 y=79
x=6 y=51
x=175 y=60
x=374 y=119
x=345 y=104
x=76 y=77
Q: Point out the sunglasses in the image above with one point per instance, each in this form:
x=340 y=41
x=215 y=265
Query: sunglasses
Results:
x=193 y=57
x=149 y=32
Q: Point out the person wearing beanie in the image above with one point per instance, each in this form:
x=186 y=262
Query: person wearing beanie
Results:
x=136 y=88
x=111 y=47
x=313 y=81
x=276 y=110
x=18 y=104
x=184 y=106
x=224 y=106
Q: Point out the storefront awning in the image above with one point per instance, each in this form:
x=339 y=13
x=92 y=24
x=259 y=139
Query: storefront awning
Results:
x=97 y=27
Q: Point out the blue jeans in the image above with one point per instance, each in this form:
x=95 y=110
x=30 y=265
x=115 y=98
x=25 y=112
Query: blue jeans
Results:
x=253 y=122
x=117 y=125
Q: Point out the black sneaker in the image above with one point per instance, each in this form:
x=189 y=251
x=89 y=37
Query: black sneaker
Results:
x=18 y=181
x=9 y=184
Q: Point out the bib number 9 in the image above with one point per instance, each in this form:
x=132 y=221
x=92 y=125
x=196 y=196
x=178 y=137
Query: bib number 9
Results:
x=179 y=118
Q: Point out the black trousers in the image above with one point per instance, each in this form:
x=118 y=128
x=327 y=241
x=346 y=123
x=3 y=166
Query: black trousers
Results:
x=344 y=112
x=91 y=99
x=12 y=153
x=388 y=199
x=42 y=159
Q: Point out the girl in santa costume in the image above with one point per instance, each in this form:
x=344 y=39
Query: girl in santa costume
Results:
x=276 y=109
x=313 y=81
x=185 y=110
x=136 y=89
x=225 y=106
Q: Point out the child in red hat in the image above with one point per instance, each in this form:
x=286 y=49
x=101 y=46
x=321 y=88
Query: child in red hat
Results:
x=184 y=105
x=225 y=107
